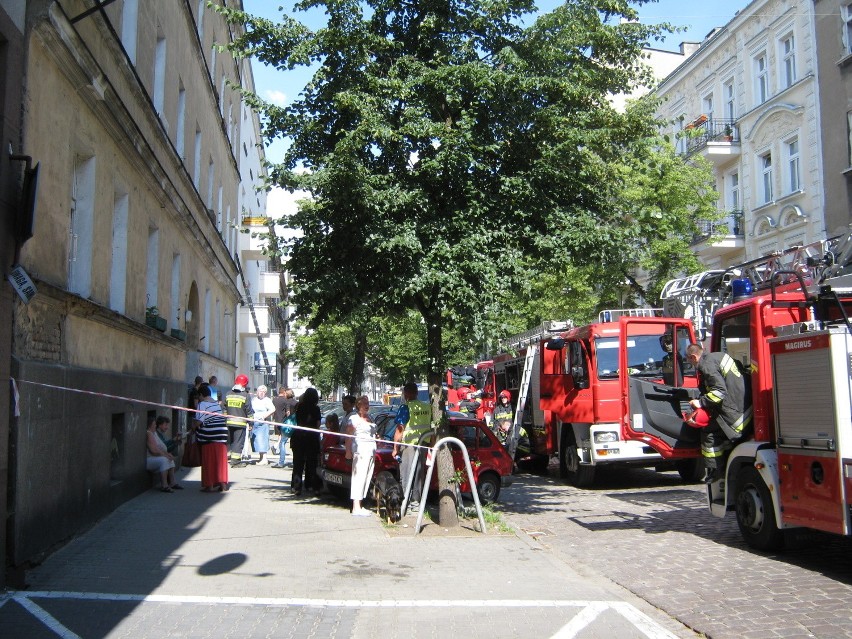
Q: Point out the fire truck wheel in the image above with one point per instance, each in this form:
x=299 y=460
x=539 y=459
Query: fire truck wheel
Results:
x=691 y=471
x=569 y=461
x=488 y=488
x=755 y=514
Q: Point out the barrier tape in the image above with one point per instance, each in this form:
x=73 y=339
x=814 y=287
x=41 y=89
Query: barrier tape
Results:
x=248 y=420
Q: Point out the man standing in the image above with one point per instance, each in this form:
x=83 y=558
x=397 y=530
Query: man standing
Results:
x=213 y=383
x=726 y=398
x=194 y=396
x=237 y=408
x=412 y=420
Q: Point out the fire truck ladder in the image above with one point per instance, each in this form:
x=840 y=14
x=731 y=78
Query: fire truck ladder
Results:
x=523 y=395
x=247 y=290
x=698 y=297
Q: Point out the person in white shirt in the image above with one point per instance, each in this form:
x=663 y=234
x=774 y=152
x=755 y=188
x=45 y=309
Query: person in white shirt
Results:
x=263 y=409
x=360 y=450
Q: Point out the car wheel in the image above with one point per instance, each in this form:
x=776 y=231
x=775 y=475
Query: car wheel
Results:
x=488 y=488
x=755 y=514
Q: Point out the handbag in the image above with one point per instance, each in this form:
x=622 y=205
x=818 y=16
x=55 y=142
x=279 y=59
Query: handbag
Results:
x=191 y=452
x=285 y=431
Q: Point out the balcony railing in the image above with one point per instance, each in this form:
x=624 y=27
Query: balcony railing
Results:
x=732 y=224
x=701 y=131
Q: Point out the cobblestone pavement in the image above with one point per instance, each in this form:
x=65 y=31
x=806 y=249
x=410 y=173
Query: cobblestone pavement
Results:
x=654 y=536
x=260 y=562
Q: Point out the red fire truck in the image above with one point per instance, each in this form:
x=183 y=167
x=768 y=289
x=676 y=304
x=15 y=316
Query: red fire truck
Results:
x=792 y=331
x=570 y=384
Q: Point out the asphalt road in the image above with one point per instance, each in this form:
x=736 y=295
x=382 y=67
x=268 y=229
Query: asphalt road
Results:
x=653 y=535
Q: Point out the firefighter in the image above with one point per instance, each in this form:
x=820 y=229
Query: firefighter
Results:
x=469 y=405
x=672 y=374
x=502 y=416
x=237 y=407
x=726 y=398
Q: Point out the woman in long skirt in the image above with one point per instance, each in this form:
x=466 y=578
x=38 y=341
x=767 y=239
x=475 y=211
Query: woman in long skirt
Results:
x=212 y=434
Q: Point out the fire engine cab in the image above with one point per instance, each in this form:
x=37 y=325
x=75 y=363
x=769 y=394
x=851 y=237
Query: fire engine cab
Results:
x=785 y=318
x=574 y=387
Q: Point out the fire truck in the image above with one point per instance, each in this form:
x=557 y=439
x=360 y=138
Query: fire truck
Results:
x=785 y=317
x=570 y=384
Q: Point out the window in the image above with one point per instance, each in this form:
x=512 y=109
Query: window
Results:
x=180 y=132
x=735 y=337
x=201 y=5
x=196 y=160
x=174 y=301
x=707 y=106
x=734 y=191
x=159 y=74
x=129 y=23
x=846 y=17
x=761 y=79
x=210 y=173
x=728 y=92
x=788 y=57
x=118 y=263
x=793 y=177
x=82 y=227
x=849 y=136
x=765 y=166
x=152 y=273
x=207 y=337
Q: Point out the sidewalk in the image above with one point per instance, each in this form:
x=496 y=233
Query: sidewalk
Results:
x=259 y=562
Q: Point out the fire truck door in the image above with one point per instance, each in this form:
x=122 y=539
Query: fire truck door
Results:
x=652 y=354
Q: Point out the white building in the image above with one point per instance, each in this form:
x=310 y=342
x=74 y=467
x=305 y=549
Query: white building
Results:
x=746 y=101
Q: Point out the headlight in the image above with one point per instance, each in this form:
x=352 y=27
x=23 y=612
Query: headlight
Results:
x=605 y=437
x=325 y=457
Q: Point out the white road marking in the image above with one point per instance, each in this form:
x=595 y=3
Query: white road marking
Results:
x=589 y=610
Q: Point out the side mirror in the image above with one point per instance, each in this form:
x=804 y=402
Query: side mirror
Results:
x=578 y=374
x=555 y=344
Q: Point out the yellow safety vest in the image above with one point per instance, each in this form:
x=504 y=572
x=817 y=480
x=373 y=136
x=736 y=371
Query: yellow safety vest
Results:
x=419 y=421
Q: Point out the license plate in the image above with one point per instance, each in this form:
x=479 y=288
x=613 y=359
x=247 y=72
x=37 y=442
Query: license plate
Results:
x=333 y=478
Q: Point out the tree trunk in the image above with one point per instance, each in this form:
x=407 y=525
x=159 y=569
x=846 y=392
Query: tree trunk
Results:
x=356 y=380
x=447 y=507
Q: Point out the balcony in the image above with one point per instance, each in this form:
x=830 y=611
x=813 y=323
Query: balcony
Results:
x=718 y=141
x=269 y=284
x=245 y=324
x=719 y=237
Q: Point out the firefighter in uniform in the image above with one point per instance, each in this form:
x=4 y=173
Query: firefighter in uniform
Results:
x=503 y=416
x=726 y=401
x=413 y=419
x=237 y=407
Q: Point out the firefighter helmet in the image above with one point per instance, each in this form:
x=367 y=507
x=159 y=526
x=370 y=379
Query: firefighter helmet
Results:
x=700 y=418
x=506 y=394
x=241 y=380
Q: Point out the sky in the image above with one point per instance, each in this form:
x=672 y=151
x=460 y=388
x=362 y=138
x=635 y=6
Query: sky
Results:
x=281 y=88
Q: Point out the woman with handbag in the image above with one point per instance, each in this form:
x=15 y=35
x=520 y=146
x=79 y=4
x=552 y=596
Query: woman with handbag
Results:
x=212 y=434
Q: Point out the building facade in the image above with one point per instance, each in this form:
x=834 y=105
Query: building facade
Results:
x=746 y=102
x=833 y=22
x=15 y=215
x=129 y=114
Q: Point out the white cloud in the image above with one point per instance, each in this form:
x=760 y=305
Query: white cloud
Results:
x=278 y=98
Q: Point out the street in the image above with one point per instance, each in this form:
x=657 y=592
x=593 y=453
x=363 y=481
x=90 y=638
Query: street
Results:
x=653 y=535
x=636 y=556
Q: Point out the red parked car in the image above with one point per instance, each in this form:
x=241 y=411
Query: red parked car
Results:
x=492 y=466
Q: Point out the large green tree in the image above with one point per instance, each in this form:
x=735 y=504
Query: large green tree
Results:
x=451 y=152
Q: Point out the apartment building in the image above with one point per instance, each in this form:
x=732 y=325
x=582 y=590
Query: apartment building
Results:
x=747 y=102
x=15 y=215
x=834 y=55
x=138 y=137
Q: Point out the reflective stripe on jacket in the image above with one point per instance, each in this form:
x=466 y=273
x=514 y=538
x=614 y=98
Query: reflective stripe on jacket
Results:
x=725 y=393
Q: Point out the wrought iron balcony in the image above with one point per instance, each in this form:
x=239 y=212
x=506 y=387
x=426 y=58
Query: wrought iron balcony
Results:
x=720 y=231
x=703 y=132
